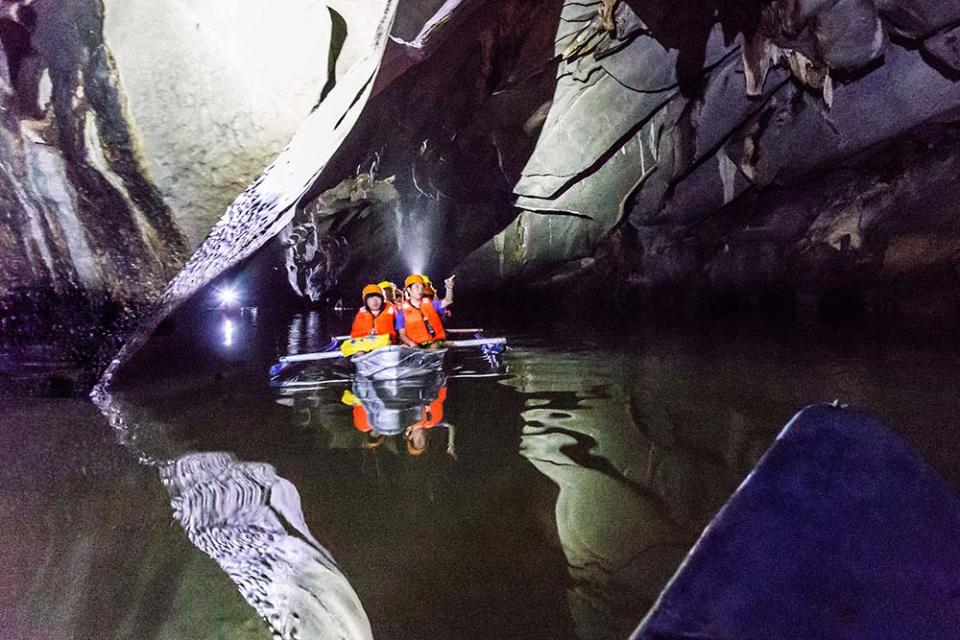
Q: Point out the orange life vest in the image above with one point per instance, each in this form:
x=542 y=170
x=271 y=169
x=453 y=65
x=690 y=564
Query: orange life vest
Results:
x=361 y=421
x=416 y=322
x=365 y=324
x=432 y=413
x=444 y=313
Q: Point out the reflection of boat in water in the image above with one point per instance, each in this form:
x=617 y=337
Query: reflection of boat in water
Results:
x=391 y=406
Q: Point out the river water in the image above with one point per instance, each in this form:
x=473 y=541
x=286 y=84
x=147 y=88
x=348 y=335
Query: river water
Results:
x=552 y=501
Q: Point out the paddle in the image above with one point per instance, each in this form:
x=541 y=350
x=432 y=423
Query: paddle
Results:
x=449 y=344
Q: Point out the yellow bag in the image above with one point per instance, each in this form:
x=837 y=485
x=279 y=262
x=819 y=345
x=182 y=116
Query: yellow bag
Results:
x=362 y=345
x=349 y=399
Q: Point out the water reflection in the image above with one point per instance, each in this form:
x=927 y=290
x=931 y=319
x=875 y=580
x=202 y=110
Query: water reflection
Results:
x=228 y=332
x=305 y=333
x=575 y=488
x=250 y=521
x=234 y=332
x=409 y=407
x=619 y=539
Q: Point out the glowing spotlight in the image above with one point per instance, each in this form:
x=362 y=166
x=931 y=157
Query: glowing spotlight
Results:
x=228 y=297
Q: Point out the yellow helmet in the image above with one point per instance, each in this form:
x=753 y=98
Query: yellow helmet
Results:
x=386 y=284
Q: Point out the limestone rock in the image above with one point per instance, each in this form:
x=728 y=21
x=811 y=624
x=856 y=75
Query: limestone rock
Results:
x=265 y=207
x=454 y=148
x=86 y=239
x=215 y=90
x=717 y=155
x=919 y=18
x=944 y=48
x=682 y=151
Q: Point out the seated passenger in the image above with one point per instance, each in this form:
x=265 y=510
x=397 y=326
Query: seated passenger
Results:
x=419 y=322
x=375 y=317
x=442 y=306
x=390 y=292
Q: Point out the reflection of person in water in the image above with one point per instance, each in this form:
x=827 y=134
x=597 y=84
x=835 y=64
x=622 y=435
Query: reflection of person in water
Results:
x=416 y=434
x=380 y=411
x=361 y=422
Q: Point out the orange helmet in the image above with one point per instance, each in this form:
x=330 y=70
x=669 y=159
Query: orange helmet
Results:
x=414 y=278
x=371 y=290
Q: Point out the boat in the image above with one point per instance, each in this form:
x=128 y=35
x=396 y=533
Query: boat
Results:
x=389 y=362
x=840 y=531
x=397 y=362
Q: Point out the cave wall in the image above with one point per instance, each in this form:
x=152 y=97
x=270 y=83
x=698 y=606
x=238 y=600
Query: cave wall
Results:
x=703 y=153
x=215 y=90
x=85 y=237
x=694 y=157
x=266 y=207
x=787 y=151
x=127 y=129
x=426 y=174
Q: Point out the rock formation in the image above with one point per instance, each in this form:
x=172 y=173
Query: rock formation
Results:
x=703 y=156
x=215 y=90
x=764 y=155
x=85 y=237
x=126 y=131
x=791 y=155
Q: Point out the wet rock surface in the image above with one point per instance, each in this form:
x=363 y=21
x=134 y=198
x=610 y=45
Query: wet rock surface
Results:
x=791 y=109
x=85 y=237
x=215 y=91
x=783 y=155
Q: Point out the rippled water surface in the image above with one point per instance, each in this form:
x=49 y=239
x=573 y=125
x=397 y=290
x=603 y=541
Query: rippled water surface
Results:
x=553 y=501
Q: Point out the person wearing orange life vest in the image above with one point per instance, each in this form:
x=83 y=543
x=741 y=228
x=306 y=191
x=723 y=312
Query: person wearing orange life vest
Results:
x=390 y=292
x=419 y=324
x=442 y=306
x=375 y=317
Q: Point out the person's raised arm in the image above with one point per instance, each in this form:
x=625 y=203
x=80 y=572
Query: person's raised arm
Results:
x=448 y=295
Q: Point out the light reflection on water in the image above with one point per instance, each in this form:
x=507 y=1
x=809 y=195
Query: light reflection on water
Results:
x=577 y=483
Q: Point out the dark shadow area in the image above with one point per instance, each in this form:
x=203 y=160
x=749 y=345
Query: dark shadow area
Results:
x=23 y=60
x=451 y=160
x=337 y=37
x=839 y=306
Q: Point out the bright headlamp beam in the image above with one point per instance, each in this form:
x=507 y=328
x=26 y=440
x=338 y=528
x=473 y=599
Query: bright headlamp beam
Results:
x=228 y=296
